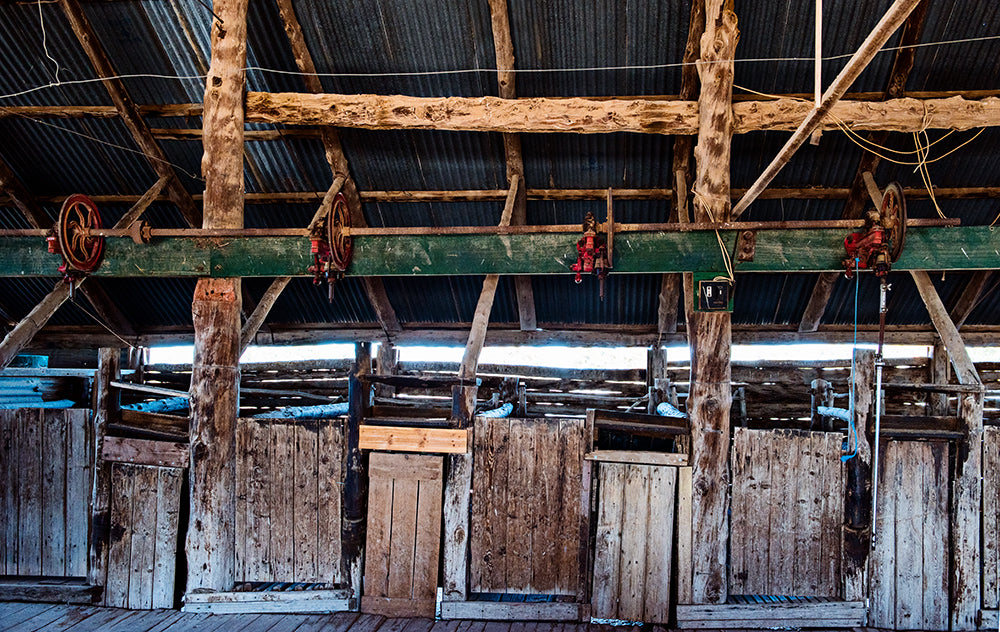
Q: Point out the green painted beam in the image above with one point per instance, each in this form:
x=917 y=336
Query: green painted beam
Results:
x=956 y=248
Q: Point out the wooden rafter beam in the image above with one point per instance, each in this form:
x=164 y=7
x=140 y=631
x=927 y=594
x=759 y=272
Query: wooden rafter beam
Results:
x=970 y=297
x=891 y=21
x=558 y=195
x=857 y=196
x=965 y=370
x=503 y=46
x=604 y=116
x=128 y=111
x=374 y=288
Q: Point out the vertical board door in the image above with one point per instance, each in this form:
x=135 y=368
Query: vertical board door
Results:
x=46 y=473
x=142 y=553
x=404 y=534
x=991 y=517
x=527 y=506
x=786 y=531
x=634 y=546
x=289 y=475
x=910 y=561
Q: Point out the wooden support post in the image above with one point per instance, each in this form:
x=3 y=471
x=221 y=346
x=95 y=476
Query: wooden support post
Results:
x=387 y=364
x=656 y=364
x=821 y=394
x=457 y=494
x=20 y=336
x=970 y=296
x=858 y=501
x=965 y=370
x=105 y=410
x=966 y=516
x=215 y=372
x=937 y=403
x=355 y=498
x=710 y=334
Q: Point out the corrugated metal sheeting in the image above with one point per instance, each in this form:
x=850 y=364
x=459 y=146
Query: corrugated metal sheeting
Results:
x=445 y=48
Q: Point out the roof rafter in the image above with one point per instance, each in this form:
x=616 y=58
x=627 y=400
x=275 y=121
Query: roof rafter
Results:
x=128 y=111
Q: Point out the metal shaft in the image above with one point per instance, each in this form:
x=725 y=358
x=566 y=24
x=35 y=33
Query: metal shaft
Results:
x=879 y=363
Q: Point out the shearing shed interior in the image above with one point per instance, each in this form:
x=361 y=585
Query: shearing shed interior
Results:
x=674 y=178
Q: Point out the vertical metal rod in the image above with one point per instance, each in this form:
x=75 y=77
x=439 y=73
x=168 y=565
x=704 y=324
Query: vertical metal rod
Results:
x=879 y=363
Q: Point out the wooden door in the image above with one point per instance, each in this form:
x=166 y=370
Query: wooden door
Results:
x=635 y=541
x=528 y=506
x=404 y=534
x=46 y=473
x=910 y=561
x=786 y=531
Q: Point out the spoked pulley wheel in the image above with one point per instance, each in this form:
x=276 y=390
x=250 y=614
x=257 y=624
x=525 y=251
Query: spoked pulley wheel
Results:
x=82 y=251
x=893 y=214
x=338 y=223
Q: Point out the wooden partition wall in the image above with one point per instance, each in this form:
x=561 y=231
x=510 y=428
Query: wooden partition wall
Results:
x=46 y=473
x=289 y=475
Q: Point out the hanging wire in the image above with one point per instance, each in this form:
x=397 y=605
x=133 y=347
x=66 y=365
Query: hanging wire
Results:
x=100 y=322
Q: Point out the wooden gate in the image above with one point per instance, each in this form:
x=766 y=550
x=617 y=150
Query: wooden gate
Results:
x=46 y=473
x=787 y=513
x=288 y=497
x=404 y=534
x=634 y=546
x=142 y=556
x=527 y=506
x=910 y=560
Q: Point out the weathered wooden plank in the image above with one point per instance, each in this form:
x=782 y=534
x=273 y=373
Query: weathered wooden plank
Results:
x=966 y=501
x=427 y=541
x=260 y=497
x=120 y=544
x=844 y=614
x=547 y=502
x=883 y=613
x=659 y=543
x=305 y=506
x=608 y=553
x=639 y=457
x=330 y=474
x=520 y=509
x=858 y=478
x=402 y=537
x=8 y=492
x=783 y=503
x=402 y=439
x=634 y=532
x=739 y=529
x=282 y=505
x=805 y=530
x=571 y=451
x=79 y=479
x=313 y=601
x=145 y=452
x=934 y=502
x=490 y=471
x=831 y=527
x=910 y=545
x=29 y=523
x=684 y=536
x=168 y=499
x=54 y=498
x=143 y=526
x=380 y=495
x=458 y=492
x=991 y=517
x=511 y=611
x=243 y=447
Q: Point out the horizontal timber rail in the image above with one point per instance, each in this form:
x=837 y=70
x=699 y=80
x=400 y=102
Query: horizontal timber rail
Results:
x=641 y=252
x=477 y=230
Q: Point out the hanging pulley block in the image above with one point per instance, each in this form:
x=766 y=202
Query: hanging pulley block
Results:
x=73 y=237
x=880 y=244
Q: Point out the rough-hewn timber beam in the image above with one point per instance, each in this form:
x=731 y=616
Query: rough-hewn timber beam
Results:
x=965 y=370
x=969 y=297
x=710 y=334
x=509 y=334
x=128 y=111
x=215 y=374
x=603 y=116
x=335 y=157
x=786 y=250
x=891 y=21
x=259 y=314
x=857 y=197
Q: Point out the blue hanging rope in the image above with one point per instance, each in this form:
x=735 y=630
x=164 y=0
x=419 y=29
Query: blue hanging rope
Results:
x=851 y=430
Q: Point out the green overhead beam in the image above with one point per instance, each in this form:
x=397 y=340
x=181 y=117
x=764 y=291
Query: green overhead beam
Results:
x=788 y=250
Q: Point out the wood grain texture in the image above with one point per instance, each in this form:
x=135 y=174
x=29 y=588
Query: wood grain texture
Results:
x=404 y=439
x=991 y=518
x=145 y=452
x=966 y=501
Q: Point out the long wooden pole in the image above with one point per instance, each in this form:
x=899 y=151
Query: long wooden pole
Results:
x=891 y=21
x=215 y=374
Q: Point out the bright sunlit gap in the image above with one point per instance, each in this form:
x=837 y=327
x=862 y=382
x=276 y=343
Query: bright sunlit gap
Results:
x=564 y=356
